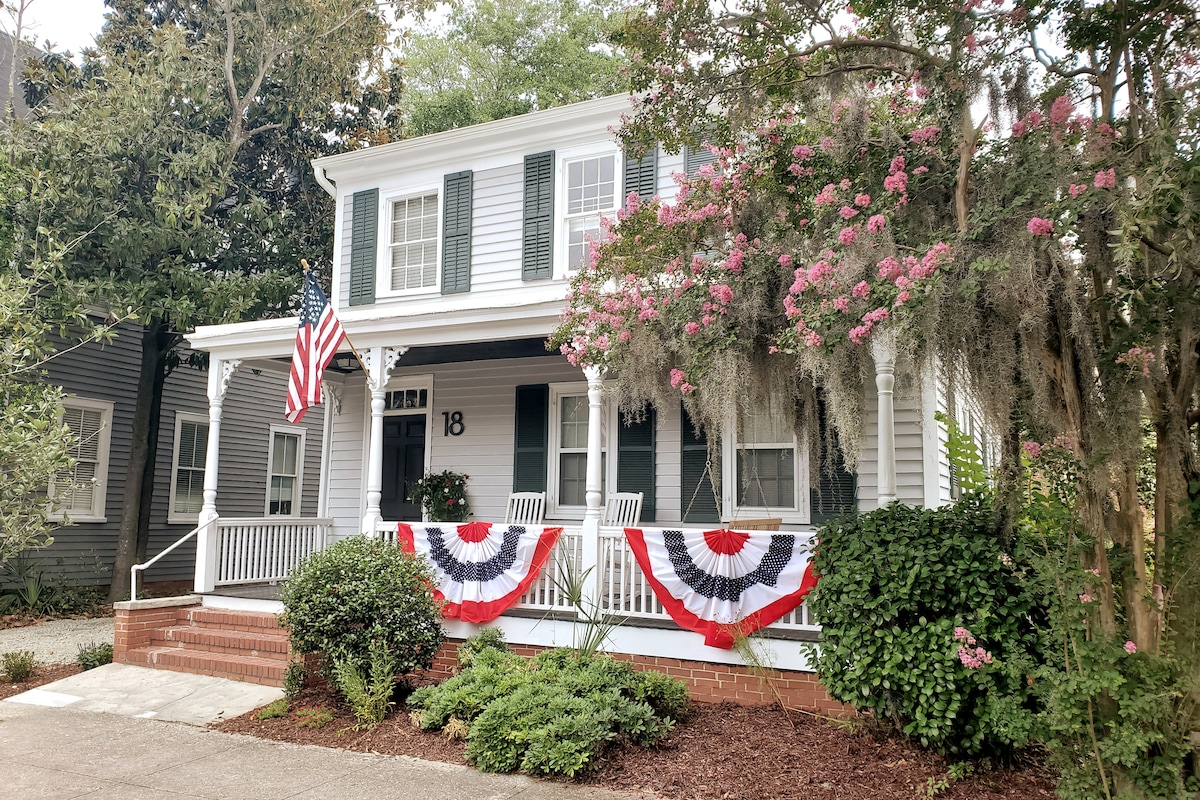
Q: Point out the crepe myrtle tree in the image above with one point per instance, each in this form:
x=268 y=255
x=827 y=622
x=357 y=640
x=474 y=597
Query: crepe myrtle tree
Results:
x=1009 y=189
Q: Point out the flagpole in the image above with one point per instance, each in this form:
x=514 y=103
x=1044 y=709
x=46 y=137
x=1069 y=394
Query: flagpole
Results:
x=345 y=336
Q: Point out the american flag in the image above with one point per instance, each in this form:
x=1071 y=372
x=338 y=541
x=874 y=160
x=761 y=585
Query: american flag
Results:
x=317 y=341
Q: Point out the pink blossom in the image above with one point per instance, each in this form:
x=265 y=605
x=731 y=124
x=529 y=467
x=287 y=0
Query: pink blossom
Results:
x=1040 y=226
x=785 y=261
x=859 y=333
x=827 y=144
x=974 y=659
x=802 y=152
x=1032 y=450
x=847 y=212
x=721 y=293
x=845 y=184
x=889 y=268
x=861 y=289
x=841 y=303
x=862 y=200
x=921 y=170
x=813 y=339
x=849 y=235
x=902 y=298
x=692 y=328
x=1076 y=189
x=961 y=634
x=924 y=135
x=1130 y=647
x=1085 y=598
x=1105 y=179
x=896 y=183
x=876 y=223
x=827 y=196
x=1018 y=128
x=1061 y=110
x=876 y=315
x=625 y=336
x=678 y=376
x=897 y=165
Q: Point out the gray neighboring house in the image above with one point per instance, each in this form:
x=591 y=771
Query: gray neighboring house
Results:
x=268 y=466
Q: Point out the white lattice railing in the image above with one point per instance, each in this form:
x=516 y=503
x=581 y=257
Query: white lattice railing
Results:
x=265 y=550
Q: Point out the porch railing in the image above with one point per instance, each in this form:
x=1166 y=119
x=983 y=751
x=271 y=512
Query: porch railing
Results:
x=265 y=550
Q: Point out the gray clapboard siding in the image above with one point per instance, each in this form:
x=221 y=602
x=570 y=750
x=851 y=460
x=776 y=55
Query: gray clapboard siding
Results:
x=84 y=553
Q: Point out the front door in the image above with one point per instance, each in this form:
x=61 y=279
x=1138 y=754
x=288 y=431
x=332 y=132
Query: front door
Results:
x=403 y=465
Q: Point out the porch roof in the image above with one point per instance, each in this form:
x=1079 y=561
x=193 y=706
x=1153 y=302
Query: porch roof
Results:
x=531 y=313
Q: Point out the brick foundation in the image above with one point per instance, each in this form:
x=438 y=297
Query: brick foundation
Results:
x=708 y=682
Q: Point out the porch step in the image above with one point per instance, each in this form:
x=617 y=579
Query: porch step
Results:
x=251 y=669
x=241 y=645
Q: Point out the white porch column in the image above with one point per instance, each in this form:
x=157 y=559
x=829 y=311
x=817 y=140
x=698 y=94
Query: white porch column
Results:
x=379 y=362
x=883 y=349
x=219 y=374
x=593 y=486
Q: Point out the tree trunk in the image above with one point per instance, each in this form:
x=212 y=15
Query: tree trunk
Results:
x=139 y=482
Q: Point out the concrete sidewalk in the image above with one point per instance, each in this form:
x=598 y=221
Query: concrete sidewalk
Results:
x=62 y=753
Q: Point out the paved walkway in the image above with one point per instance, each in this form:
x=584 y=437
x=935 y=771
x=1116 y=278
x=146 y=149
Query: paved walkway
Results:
x=51 y=753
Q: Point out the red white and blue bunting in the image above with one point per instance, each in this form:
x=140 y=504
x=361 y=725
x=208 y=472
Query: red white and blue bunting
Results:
x=719 y=582
x=481 y=569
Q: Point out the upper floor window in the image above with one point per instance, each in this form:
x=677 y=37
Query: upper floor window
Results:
x=187 y=474
x=80 y=492
x=413 y=246
x=591 y=192
x=286 y=461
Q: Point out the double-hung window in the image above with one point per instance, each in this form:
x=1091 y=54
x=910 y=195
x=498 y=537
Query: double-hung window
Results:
x=187 y=474
x=591 y=192
x=286 y=461
x=766 y=464
x=79 y=492
x=568 y=447
x=413 y=243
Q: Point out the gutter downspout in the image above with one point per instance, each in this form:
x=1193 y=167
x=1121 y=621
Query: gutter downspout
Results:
x=326 y=184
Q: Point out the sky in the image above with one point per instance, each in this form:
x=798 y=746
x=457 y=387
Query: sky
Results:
x=69 y=24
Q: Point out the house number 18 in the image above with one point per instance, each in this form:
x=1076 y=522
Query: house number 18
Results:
x=452 y=423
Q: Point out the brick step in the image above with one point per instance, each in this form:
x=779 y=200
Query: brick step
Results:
x=224 y=619
x=217 y=640
x=265 y=671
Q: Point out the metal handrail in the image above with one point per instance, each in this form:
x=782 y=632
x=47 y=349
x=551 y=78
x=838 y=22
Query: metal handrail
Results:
x=136 y=568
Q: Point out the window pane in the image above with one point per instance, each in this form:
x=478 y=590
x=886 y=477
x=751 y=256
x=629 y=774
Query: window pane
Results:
x=580 y=233
x=574 y=425
x=766 y=478
x=572 y=479
x=769 y=426
x=189 y=491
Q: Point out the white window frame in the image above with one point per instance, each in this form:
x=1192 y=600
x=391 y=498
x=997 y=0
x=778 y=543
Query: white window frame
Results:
x=383 y=264
x=97 y=513
x=183 y=517
x=562 y=268
x=298 y=490
x=731 y=451
x=608 y=424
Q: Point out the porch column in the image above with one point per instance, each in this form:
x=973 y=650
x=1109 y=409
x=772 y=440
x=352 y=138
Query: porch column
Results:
x=593 y=486
x=207 y=541
x=379 y=361
x=883 y=350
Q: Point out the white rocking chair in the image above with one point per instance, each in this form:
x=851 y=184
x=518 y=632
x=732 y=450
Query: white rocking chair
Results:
x=623 y=510
x=526 y=508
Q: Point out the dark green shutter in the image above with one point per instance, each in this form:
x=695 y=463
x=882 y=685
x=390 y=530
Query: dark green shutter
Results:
x=635 y=462
x=641 y=174
x=364 y=251
x=456 y=233
x=696 y=156
x=697 y=501
x=532 y=438
x=836 y=491
x=537 y=239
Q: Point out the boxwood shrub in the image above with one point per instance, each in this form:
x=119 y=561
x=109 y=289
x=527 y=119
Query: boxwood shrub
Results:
x=929 y=624
x=340 y=600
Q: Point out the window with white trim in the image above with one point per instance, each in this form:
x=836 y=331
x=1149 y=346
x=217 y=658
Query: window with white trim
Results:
x=567 y=478
x=767 y=461
x=413 y=243
x=80 y=492
x=187 y=474
x=591 y=192
x=286 y=472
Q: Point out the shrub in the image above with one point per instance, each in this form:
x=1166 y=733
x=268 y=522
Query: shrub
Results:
x=361 y=590
x=94 y=655
x=294 y=678
x=368 y=693
x=18 y=665
x=552 y=714
x=487 y=638
x=275 y=710
x=927 y=623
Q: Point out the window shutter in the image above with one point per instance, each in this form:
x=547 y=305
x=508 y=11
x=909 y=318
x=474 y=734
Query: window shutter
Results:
x=698 y=503
x=532 y=438
x=641 y=174
x=537 y=241
x=696 y=156
x=456 y=233
x=364 y=227
x=635 y=462
x=836 y=492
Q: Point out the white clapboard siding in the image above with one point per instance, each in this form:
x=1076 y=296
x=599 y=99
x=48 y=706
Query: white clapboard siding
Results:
x=668 y=165
x=667 y=457
x=346 y=481
x=496 y=229
x=343 y=253
x=910 y=483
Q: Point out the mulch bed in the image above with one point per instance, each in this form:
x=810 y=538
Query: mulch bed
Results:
x=722 y=752
x=42 y=675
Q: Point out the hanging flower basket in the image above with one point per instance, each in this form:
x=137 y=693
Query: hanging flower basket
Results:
x=443 y=495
